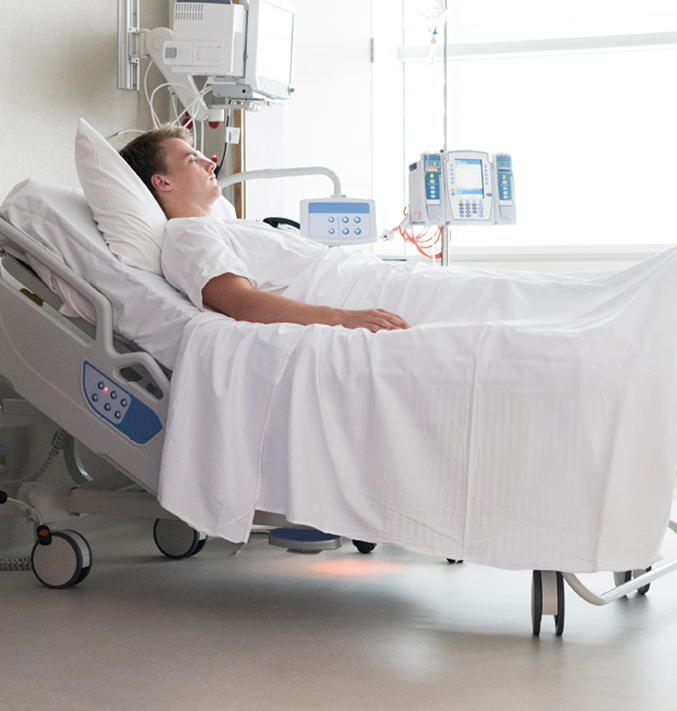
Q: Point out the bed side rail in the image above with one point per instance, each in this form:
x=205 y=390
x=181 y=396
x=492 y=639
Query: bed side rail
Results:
x=58 y=369
x=103 y=340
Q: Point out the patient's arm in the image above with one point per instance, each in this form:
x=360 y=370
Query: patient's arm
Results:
x=233 y=295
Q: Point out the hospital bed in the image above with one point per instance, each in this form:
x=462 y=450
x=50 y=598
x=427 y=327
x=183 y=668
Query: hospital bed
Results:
x=108 y=393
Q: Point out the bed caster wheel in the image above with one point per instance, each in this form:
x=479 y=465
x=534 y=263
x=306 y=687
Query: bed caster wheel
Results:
x=454 y=561
x=177 y=539
x=645 y=588
x=624 y=576
x=61 y=559
x=364 y=547
x=547 y=598
x=627 y=575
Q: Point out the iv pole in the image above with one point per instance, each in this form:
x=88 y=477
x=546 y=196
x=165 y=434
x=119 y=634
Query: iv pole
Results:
x=446 y=229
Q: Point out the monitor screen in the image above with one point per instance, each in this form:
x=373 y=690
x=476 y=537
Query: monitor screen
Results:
x=468 y=179
x=270 y=45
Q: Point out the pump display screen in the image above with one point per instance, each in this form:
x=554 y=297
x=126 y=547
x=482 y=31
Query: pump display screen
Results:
x=468 y=176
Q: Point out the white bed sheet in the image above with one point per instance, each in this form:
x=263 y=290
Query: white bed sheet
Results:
x=528 y=421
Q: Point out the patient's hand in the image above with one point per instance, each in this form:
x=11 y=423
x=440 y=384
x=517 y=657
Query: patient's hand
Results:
x=374 y=320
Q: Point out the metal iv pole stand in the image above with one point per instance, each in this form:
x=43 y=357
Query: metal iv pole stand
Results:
x=446 y=229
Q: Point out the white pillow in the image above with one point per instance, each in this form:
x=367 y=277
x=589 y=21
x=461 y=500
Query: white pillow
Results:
x=130 y=218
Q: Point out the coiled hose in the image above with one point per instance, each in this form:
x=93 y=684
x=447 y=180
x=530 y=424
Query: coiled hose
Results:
x=58 y=443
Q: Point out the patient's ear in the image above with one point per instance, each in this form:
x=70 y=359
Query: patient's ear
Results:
x=160 y=183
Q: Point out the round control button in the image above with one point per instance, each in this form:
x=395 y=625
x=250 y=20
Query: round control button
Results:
x=358 y=231
x=118 y=414
x=345 y=231
x=344 y=219
x=95 y=398
x=123 y=402
x=358 y=219
x=330 y=219
x=331 y=230
x=106 y=407
x=113 y=394
x=101 y=385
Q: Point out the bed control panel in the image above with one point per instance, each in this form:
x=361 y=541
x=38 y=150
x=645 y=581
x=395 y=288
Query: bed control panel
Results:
x=118 y=407
x=338 y=220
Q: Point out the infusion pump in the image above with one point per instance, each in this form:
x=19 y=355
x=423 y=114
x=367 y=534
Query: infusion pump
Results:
x=462 y=187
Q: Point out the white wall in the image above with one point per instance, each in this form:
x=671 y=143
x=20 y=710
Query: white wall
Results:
x=59 y=62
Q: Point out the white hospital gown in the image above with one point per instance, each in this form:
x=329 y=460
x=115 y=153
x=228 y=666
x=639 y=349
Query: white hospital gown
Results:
x=197 y=249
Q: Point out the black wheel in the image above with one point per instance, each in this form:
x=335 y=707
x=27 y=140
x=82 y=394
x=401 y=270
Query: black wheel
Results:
x=536 y=602
x=547 y=597
x=454 y=561
x=176 y=539
x=64 y=562
x=364 y=546
x=645 y=588
x=559 y=617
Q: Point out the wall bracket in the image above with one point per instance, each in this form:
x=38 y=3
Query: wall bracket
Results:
x=128 y=44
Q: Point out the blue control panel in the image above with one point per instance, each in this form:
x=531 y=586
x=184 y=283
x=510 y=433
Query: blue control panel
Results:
x=118 y=407
x=504 y=178
x=432 y=167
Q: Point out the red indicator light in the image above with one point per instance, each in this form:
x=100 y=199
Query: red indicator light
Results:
x=105 y=389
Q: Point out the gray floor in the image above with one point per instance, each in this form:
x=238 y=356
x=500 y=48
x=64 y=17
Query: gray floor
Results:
x=266 y=629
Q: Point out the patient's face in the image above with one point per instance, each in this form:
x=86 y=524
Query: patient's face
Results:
x=190 y=174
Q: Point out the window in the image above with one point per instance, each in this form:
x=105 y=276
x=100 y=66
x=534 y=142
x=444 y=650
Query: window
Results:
x=580 y=93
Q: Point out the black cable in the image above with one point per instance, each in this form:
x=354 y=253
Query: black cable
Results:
x=217 y=170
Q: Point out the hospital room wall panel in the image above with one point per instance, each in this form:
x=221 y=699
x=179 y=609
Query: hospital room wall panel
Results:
x=59 y=63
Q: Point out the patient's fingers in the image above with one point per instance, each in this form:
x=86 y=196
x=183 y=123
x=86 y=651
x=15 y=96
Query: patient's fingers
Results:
x=375 y=320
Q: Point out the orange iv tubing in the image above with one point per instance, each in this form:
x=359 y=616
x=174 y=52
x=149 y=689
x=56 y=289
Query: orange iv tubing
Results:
x=425 y=241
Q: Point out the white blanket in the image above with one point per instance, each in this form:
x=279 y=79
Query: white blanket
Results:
x=525 y=421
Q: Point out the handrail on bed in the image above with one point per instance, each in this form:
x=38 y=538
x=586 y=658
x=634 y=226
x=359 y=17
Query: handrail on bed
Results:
x=104 y=316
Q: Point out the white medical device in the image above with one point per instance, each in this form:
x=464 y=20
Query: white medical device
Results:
x=462 y=187
x=334 y=221
x=246 y=51
x=339 y=220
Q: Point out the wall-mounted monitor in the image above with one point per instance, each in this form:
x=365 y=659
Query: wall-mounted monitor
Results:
x=246 y=50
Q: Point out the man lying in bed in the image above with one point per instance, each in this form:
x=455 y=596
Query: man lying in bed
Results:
x=240 y=275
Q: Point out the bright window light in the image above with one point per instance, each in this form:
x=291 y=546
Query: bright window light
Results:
x=591 y=129
x=592 y=138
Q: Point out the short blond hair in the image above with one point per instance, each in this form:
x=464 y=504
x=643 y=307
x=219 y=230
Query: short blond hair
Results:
x=147 y=155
